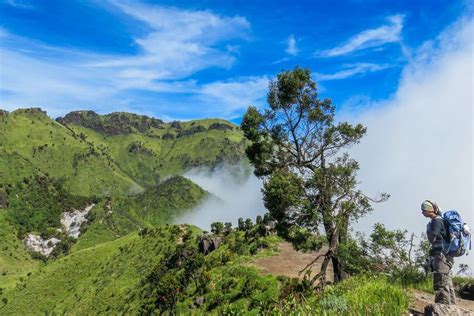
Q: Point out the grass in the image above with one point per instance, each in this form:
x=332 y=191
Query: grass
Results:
x=15 y=261
x=34 y=143
x=110 y=278
x=93 y=163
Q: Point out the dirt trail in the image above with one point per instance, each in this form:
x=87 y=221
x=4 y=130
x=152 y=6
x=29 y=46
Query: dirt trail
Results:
x=421 y=299
x=290 y=262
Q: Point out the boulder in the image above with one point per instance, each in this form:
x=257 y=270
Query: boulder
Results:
x=445 y=310
x=209 y=243
x=467 y=292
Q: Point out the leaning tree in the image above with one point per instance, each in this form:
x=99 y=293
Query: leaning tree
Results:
x=297 y=149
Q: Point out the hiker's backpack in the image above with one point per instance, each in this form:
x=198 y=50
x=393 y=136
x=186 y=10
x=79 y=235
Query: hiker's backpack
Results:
x=459 y=235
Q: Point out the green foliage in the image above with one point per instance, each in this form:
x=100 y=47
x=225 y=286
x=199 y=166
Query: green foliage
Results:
x=15 y=260
x=304 y=240
x=389 y=252
x=283 y=191
x=36 y=204
x=296 y=147
x=217 y=228
x=362 y=296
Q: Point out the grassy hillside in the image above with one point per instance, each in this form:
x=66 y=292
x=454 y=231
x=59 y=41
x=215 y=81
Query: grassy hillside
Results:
x=114 y=154
x=15 y=261
x=33 y=143
x=114 y=277
x=116 y=217
x=162 y=271
x=148 y=149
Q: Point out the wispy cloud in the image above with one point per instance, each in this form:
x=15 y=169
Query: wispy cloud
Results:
x=351 y=71
x=291 y=48
x=388 y=33
x=20 y=4
x=235 y=95
x=179 y=44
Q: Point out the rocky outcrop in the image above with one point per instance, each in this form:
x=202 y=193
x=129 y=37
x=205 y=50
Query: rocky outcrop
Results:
x=139 y=148
x=3 y=113
x=192 y=130
x=209 y=243
x=71 y=225
x=43 y=246
x=111 y=124
x=220 y=126
x=176 y=125
x=72 y=221
x=445 y=310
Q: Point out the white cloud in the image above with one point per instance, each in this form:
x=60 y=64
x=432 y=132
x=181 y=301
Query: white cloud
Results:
x=178 y=44
x=389 y=33
x=291 y=48
x=20 y=4
x=419 y=144
x=238 y=191
x=350 y=71
x=235 y=95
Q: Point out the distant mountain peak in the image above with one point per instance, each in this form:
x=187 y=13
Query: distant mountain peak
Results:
x=115 y=123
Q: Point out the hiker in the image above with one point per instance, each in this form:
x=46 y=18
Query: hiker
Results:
x=442 y=262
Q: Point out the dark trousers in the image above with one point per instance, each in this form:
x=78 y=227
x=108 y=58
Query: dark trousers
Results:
x=442 y=281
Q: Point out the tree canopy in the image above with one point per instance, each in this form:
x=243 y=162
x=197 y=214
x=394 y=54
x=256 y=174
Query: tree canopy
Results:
x=297 y=148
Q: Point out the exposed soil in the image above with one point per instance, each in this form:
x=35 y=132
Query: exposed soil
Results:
x=421 y=299
x=290 y=262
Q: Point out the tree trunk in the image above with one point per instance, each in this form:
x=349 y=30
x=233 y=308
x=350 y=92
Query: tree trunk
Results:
x=339 y=273
x=334 y=236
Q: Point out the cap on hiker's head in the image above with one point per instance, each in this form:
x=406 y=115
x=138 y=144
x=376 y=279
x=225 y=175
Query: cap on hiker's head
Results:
x=427 y=206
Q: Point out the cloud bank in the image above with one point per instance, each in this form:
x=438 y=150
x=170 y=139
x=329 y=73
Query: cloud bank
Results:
x=419 y=144
x=238 y=195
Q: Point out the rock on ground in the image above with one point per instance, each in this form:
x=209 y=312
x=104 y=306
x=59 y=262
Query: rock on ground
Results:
x=443 y=309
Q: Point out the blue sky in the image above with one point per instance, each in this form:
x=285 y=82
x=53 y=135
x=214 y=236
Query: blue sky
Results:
x=197 y=59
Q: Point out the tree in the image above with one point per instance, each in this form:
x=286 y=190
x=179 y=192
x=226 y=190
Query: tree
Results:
x=296 y=148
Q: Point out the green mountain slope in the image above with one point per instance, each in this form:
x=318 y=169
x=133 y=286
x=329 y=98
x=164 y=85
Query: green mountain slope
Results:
x=114 y=154
x=118 y=216
x=148 y=149
x=33 y=143
x=120 y=277
x=15 y=261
